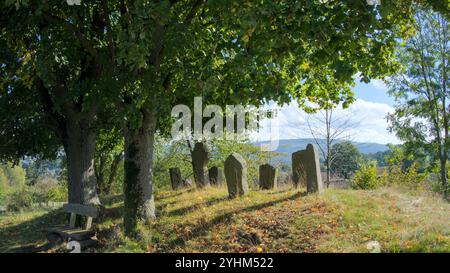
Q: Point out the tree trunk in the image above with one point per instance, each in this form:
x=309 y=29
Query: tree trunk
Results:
x=79 y=145
x=328 y=169
x=328 y=124
x=78 y=137
x=443 y=161
x=138 y=187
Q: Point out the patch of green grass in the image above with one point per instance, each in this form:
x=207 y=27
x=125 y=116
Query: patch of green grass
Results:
x=282 y=220
x=22 y=231
x=398 y=221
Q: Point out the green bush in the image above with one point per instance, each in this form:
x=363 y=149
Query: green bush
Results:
x=58 y=194
x=23 y=197
x=409 y=177
x=3 y=198
x=15 y=175
x=49 y=189
x=435 y=184
x=20 y=198
x=3 y=186
x=367 y=177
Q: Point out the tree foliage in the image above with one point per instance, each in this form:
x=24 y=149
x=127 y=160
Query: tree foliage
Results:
x=347 y=159
x=421 y=115
x=366 y=178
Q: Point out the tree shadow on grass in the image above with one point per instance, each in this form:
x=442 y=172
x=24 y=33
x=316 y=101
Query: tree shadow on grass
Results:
x=116 y=213
x=202 y=229
x=174 y=194
x=26 y=236
x=185 y=210
x=112 y=213
x=112 y=199
x=280 y=190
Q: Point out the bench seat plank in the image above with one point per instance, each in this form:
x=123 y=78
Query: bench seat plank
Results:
x=67 y=232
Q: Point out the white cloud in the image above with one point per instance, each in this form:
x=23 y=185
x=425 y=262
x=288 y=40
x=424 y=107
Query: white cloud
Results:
x=369 y=119
x=379 y=84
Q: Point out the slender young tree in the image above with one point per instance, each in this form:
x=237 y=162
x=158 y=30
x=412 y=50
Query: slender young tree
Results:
x=108 y=158
x=327 y=128
x=332 y=129
x=421 y=89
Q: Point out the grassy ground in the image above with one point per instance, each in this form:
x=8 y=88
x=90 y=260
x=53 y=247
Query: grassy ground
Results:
x=282 y=220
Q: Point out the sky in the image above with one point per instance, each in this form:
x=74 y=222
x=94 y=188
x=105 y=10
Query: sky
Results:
x=366 y=118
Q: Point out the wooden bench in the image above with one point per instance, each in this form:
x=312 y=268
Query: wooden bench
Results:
x=70 y=232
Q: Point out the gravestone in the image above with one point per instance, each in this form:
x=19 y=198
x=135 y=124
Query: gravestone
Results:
x=215 y=175
x=298 y=168
x=236 y=175
x=187 y=183
x=284 y=178
x=268 y=176
x=175 y=178
x=306 y=169
x=199 y=162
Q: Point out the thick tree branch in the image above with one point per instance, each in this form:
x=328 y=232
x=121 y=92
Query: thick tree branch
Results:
x=193 y=11
x=56 y=121
x=85 y=43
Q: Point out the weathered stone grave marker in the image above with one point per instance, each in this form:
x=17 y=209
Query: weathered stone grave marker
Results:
x=216 y=176
x=306 y=169
x=199 y=162
x=175 y=178
x=268 y=176
x=236 y=175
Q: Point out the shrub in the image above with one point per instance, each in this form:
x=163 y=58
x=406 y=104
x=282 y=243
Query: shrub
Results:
x=58 y=193
x=408 y=177
x=3 y=185
x=435 y=184
x=48 y=189
x=402 y=169
x=19 y=198
x=23 y=197
x=367 y=177
x=16 y=175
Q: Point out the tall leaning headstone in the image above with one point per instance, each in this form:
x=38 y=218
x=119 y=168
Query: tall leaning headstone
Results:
x=236 y=175
x=215 y=175
x=268 y=175
x=306 y=169
x=175 y=178
x=199 y=162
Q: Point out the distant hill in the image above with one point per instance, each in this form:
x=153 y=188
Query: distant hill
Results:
x=288 y=146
